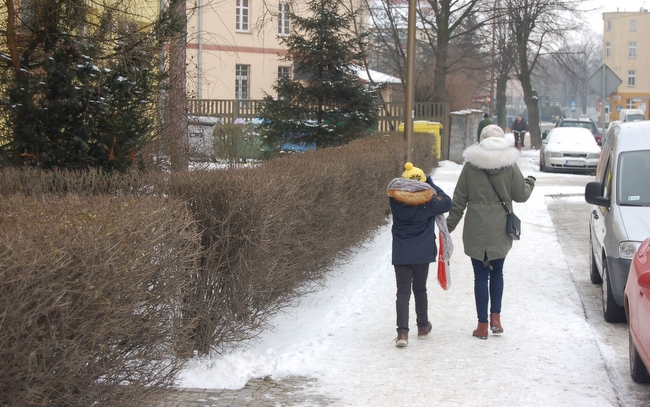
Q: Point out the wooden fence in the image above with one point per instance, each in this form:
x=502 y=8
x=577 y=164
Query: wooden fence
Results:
x=391 y=114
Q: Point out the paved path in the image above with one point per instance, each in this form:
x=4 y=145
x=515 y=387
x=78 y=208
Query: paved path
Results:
x=293 y=391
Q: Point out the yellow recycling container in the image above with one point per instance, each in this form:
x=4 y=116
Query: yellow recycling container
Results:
x=425 y=126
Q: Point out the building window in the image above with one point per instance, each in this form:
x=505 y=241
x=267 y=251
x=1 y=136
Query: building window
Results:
x=284 y=22
x=242 y=15
x=629 y=104
x=608 y=50
x=632 y=25
x=241 y=82
x=284 y=72
x=631 y=53
x=631 y=78
x=608 y=25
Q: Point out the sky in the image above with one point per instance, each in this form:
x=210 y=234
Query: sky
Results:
x=343 y=335
x=597 y=7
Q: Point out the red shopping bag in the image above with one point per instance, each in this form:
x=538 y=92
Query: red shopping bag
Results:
x=444 y=278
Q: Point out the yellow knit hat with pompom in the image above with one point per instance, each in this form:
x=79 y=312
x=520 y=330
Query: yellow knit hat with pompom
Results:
x=414 y=173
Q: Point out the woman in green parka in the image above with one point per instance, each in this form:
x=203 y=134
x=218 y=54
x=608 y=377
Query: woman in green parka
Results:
x=484 y=233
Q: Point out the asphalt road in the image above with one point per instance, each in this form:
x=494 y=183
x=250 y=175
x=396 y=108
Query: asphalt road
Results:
x=570 y=216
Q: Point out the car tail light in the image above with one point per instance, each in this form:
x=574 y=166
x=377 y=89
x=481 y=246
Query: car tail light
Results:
x=598 y=138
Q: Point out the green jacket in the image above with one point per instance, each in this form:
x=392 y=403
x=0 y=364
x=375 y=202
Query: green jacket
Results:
x=484 y=231
x=481 y=126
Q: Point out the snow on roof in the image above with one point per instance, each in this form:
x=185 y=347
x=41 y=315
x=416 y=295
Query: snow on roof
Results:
x=375 y=76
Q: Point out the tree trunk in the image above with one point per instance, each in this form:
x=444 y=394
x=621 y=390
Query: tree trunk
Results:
x=440 y=72
x=502 y=84
x=530 y=96
x=175 y=126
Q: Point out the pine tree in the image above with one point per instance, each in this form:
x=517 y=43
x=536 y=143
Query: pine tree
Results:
x=75 y=94
x=332 y=107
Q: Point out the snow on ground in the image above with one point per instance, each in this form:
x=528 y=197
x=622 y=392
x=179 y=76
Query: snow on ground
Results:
x=344 y=335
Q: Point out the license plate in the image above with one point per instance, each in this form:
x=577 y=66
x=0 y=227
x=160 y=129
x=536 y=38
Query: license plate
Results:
x=574 y=163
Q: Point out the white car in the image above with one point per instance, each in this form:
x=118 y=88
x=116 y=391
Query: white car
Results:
x=569 y=149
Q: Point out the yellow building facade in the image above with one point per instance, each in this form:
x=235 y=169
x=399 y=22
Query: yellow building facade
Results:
x=235 y=50
x=626 y=51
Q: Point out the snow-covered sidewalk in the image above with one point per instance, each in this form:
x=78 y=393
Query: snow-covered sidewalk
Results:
x=344 y=333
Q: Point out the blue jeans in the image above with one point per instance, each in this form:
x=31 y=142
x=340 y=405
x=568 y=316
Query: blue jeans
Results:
x=411 y=277
x=488 y=287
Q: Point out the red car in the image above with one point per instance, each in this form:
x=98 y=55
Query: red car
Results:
x=637 y=309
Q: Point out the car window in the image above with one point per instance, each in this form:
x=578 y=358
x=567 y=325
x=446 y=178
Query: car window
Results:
x=604 y=153
x=633 y=178
x=633 y=117
x=585 y=125
x=607 y=181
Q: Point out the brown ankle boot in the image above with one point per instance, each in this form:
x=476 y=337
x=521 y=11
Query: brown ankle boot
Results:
x=495 y=324
x=482 y=331
x=402 y=339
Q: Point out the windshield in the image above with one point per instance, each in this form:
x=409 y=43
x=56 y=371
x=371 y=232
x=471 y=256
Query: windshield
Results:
x=585 y=125
x=633 y=181
x=633 y=117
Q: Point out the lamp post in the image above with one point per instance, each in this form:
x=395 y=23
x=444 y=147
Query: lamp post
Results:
x=410 y=85
x=494 y=11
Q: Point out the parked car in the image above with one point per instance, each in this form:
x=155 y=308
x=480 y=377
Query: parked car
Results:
x=630 y=115
x=620 y=216
x=569 y=149
x=584 y=123
x=637 y=310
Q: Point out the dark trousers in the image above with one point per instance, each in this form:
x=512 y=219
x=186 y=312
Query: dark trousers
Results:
x=488 y=287
x=411 y=277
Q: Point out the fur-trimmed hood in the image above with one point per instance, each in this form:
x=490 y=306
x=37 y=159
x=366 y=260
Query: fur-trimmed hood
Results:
x=410 y=192
x=492 y=153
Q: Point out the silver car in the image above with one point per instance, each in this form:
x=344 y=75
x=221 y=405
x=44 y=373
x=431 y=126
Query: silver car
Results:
x=569 y=149
x=620 y=216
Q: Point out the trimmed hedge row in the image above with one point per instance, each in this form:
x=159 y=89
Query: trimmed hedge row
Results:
x=109 y=282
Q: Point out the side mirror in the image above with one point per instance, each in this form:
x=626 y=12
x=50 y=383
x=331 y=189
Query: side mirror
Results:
x=594 y=194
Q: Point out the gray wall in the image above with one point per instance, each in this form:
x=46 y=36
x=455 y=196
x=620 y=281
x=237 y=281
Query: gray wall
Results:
x=464 y=125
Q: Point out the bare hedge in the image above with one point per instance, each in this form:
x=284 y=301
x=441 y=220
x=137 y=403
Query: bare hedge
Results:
x=268 y=230
x=90 y=298
x=91 y=264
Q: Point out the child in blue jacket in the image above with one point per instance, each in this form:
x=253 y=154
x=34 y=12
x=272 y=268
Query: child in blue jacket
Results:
x=415 y=202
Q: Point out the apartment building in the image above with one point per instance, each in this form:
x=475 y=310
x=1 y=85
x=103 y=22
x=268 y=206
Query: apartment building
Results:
x=626 y=50
x=234 y=47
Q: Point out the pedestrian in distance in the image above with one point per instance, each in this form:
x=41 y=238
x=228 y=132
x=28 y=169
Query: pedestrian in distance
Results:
x=417 y=204
x=481 y=125
x=519 y=129
x=484 y=232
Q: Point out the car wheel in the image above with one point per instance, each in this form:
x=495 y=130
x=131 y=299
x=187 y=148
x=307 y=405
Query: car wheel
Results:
x=594 y=274
x=638 y=370
x=611 y=310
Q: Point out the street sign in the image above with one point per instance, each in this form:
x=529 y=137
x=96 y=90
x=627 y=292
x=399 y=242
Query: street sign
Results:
x=604 y=81
x=573 y=105
x=619 y=108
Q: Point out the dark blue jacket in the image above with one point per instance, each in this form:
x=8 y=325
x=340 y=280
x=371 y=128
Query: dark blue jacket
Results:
x=414 y=236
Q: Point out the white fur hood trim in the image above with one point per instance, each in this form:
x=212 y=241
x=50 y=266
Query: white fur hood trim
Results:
x=491 y=154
